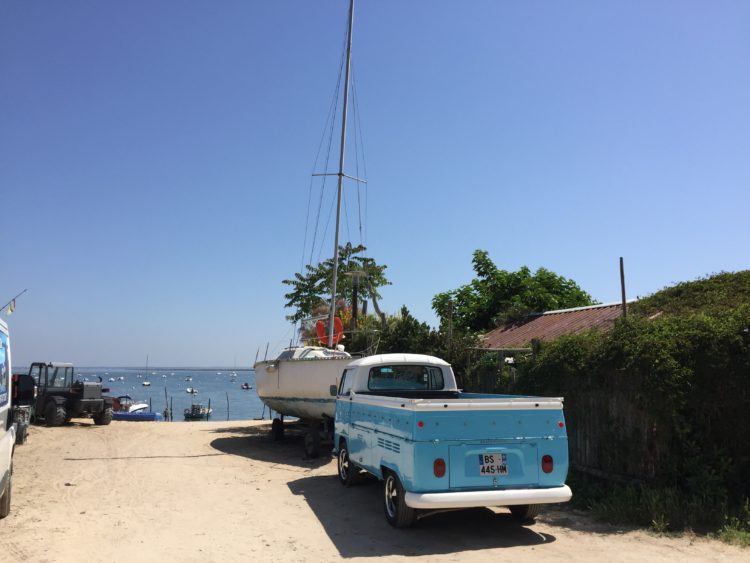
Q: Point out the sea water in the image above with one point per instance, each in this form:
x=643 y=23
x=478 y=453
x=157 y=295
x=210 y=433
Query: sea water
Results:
x=228 y=400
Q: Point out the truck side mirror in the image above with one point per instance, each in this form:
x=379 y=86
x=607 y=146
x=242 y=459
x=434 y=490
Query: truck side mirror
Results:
x=333 y=390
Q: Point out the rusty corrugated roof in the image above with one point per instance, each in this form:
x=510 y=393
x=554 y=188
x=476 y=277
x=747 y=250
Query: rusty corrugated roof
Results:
x=550 y=325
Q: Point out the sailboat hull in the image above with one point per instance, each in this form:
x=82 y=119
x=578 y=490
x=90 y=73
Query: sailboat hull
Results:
x=300 y=388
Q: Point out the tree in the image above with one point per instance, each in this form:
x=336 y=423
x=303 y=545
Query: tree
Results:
x=496 y=296
x=311 y=291
x=403 y=333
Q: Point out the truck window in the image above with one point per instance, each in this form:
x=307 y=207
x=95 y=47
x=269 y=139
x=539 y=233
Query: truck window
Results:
x=407 y=377
x=346 y=382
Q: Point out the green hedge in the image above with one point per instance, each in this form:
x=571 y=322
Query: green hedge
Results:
x=664 y=402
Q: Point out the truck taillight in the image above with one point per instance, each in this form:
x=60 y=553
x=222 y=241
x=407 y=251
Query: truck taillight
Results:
x=438 y=468
x=547 y=464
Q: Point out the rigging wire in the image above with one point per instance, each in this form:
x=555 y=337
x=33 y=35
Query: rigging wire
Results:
x=318 y=238
x=331 y=112
x=359 y=149
x=332 y=120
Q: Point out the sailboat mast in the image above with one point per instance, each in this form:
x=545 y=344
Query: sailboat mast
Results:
x=332 y=310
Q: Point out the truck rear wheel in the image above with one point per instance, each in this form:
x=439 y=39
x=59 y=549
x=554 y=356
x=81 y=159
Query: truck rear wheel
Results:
x=5 y=499
x=103 y=418
x=54 y=414
x=398 y=514
x=348 y=472
x=524 y=512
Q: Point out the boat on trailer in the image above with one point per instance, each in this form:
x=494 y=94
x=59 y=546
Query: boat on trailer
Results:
x=302 y=381
x=298 y=382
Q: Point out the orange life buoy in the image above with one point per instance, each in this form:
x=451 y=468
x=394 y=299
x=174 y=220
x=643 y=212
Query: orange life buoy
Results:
x=338 y=331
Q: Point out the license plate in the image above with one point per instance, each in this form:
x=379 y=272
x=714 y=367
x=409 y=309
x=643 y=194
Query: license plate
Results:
x=493 y=464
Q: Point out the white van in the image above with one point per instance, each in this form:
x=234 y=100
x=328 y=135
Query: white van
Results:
x=7 y=428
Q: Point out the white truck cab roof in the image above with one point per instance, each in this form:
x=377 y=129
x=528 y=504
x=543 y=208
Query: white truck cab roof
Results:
x=397 y=359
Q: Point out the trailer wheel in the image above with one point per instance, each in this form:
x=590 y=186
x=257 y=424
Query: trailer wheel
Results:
x=525 y=512
x=54 y=415
x=398 y=514
x=103 y=418
x=348 y=472
x=312 y=443
x=5 y=499
x=277 y=430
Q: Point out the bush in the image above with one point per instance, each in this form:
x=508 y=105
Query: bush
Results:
x=664 y=400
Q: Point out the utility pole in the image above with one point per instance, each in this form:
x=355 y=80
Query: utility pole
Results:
x=622 y=288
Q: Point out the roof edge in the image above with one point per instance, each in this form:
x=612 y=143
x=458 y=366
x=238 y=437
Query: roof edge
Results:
x=599 y=306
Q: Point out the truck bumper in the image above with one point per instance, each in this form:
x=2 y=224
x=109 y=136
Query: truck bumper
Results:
x=472 y=499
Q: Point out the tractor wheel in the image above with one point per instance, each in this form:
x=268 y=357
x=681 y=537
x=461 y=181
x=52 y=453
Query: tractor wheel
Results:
x=54 y=414
x=5 y=499
x=103 y=418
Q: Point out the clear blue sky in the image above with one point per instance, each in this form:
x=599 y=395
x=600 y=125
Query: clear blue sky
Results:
x=155 y=157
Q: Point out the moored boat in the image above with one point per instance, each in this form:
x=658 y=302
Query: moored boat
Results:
x=197 y=411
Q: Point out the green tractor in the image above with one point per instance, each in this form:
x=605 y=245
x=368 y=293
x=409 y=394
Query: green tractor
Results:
x=60 y=396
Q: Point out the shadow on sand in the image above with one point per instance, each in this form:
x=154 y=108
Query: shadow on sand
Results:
x=353 y=518
x=354 y=521
x=254 y=442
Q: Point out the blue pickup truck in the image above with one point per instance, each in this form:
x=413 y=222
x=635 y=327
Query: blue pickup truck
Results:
x=401 y=418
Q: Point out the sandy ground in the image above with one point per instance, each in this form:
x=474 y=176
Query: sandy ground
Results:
x=226 y=492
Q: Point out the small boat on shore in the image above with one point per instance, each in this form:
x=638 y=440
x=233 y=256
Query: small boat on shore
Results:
x=197 y=411
x=140 y=416
x=125 y=408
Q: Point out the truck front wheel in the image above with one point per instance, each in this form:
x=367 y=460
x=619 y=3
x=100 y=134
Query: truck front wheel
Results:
x=348 y=472
x=398 y=514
